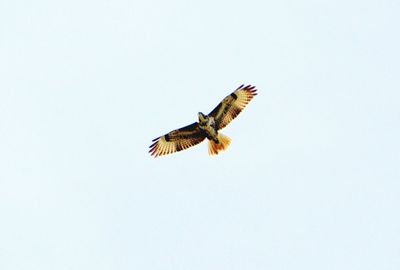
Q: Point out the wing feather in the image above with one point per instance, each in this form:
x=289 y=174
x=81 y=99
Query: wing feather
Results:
x=177 y=140
x=232 y=105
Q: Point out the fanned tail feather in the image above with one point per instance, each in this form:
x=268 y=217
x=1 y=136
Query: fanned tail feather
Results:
x=215 y=148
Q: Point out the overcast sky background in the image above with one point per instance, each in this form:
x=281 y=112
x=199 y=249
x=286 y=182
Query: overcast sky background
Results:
x=311 y=179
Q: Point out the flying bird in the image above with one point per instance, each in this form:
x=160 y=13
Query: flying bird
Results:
x=207 y=126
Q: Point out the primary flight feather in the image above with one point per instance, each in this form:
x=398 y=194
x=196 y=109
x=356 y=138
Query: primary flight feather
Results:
x=207 y=126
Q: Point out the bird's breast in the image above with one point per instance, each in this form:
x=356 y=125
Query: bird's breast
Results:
x=210 y=129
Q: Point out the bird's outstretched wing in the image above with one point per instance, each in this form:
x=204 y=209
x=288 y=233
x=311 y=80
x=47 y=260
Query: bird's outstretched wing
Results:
x=177 y=140
x=232 y=105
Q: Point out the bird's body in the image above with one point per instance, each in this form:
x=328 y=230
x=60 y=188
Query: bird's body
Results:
x=206 y=127
x=207 y=123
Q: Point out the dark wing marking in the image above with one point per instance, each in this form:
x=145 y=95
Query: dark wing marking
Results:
x=232 y=105
x=177 y=140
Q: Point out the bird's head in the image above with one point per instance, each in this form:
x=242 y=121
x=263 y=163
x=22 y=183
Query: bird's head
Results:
x=202 y=118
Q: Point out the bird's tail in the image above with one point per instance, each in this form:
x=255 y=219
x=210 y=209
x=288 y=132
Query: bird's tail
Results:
x=223 y=143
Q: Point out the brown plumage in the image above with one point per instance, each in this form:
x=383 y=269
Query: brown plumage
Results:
x=207 y=127
x=177 y=140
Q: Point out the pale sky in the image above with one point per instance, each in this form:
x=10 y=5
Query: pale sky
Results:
x=311 y=179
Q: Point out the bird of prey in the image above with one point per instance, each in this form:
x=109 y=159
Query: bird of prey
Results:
x=207 y=126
